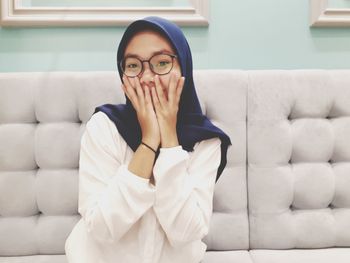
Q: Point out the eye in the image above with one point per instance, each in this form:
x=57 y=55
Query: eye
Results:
x=163 y=63
x=131 y=65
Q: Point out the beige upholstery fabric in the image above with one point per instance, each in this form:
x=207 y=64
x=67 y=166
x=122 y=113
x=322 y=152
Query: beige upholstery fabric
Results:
x=299 y=159
x=283 y=197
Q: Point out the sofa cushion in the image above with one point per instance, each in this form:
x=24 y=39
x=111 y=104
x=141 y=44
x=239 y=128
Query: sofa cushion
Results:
x=35 y=259
x=299 y=159
x=325 y=255
x=220 y=92
x=237 y=256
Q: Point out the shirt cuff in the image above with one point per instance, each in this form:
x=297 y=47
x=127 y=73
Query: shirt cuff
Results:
x=169 y=159
x=129 y=177
x=174 y=148
x=173 y=154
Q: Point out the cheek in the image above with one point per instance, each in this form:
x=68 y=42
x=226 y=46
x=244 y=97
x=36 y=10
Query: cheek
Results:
x=177 y=69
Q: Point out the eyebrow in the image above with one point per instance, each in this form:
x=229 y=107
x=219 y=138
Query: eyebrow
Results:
x=154 y=53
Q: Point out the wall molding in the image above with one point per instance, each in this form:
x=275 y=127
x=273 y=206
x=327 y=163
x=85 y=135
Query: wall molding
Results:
x=14 y=14
x=323 y=16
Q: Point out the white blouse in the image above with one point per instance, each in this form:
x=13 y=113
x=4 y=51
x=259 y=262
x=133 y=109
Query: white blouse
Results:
x=127 y=219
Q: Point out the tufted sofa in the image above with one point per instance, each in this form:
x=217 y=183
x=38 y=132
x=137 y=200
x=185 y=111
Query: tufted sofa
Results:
x=283 y=197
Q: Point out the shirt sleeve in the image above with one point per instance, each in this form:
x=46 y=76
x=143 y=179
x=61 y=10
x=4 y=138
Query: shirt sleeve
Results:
x=111 y=198
x=185 y=189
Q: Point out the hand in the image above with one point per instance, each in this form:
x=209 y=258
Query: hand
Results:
x=167 y=108
x=147 y=118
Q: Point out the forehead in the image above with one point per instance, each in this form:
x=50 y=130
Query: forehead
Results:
x=145 y=43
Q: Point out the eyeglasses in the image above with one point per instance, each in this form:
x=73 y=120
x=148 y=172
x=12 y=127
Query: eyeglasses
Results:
x=160 y=64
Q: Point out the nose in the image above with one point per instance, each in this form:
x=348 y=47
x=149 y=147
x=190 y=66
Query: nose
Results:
x=147 y=76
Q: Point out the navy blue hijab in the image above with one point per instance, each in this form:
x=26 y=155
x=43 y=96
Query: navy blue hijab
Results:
x=192 y=125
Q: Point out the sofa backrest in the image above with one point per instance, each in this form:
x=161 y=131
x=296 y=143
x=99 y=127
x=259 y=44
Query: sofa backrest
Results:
x=299 y=158
x=223 y=95
x=292 y=128
x=42 y=118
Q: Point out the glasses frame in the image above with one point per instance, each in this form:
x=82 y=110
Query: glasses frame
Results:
x=150 y=65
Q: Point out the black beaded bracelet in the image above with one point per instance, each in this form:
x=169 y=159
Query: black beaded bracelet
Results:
x=148 y=147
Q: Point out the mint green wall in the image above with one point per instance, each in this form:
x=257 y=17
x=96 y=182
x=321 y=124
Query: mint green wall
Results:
x=245 y=34
x=339 y=3
x=106 y=3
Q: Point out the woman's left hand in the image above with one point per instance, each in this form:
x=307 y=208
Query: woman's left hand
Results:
x=167 y=107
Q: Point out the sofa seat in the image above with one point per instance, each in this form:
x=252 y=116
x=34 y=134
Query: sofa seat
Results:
x=326 y=255
x=320 y=255
x=35 y=259
x=239 y=256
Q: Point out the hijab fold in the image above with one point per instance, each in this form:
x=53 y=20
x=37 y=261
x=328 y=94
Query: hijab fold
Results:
x=192 y=126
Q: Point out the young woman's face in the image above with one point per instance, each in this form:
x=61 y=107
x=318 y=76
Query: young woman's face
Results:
x=144 y=44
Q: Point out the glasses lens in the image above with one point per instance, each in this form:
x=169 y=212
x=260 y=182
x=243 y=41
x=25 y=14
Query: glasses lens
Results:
x=161 y=63
x=131 y=66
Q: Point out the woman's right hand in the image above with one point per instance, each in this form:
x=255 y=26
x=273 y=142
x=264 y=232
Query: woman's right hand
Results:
x=143 y=105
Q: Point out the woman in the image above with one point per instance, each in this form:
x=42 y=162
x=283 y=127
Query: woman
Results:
x=148 y=168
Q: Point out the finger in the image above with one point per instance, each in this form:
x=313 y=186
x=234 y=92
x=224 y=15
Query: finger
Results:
x=148 y=99
x=125 y=91
x=155 y=98
x=179 y=89
x=132 y=95
x=161 y=98
x=172 y=87
x=139 y=91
